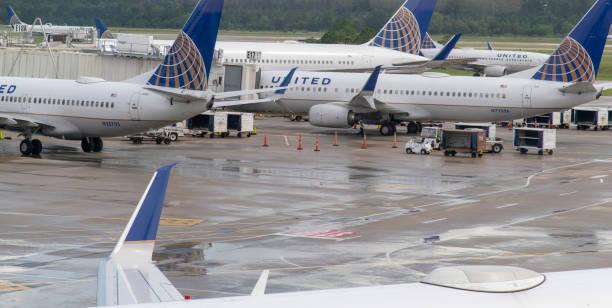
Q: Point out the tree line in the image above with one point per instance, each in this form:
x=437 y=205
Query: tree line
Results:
x=473 y=17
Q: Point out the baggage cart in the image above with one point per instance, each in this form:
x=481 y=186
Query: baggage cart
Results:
x=538 y=139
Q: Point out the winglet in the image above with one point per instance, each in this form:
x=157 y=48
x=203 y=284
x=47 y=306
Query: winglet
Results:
x=444 y=52
x=370 y=86
x=142 y=227
x=489 y=46
x=286 y=82
x=365 y=98
x=128 y=275
x=103 y=32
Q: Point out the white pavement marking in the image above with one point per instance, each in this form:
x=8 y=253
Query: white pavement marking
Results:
x=435 y=220
x=290 y=263
x=507 y=205
x=568 y=193
x=599 y=177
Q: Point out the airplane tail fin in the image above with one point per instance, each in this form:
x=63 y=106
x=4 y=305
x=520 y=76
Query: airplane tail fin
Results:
x=578 y=57
x=405 y=31
x=188 y=63
x=13 y=18
x=429 y=43
x=103 y=32
x=128 y=275
x=489 y=46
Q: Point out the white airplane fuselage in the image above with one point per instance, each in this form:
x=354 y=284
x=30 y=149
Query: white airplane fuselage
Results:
x=513 y=61
x=49 y=29
x=425 y=97
x=74 y=110
x=283 y=56
x=586 y=288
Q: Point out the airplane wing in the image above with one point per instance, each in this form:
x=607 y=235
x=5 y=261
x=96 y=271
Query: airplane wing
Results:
x=605 y=86
x=21 y=121
x=278 y=92
x=128 y=276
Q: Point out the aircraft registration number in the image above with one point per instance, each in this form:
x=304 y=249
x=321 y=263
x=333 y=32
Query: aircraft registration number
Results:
x=111 y=124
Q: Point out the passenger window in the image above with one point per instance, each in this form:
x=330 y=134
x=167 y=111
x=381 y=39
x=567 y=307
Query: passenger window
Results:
x=112 y=105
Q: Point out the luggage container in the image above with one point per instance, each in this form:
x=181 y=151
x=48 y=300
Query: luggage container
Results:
x=211 y=123
x=494 y=144
x=590 y=117
x=541 y=121
x=241 y=122
x=538 y=139
x=464 y=141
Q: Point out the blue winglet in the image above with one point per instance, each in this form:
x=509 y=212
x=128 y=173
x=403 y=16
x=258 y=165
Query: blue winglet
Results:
x=145 y=223
x=489 y=46
x=370 y=86
x=406 y=30
x=103 y=32
x=188 y=64
x=578 y=57
x=444 y=52
x=286 y=82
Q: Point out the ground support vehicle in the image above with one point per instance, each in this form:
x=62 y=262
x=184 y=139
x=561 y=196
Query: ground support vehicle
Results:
x=494 y=144
x=241 y=122
x=422 y=146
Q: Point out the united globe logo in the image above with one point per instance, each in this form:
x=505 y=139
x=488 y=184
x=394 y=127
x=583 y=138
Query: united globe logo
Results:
x=428 y=42
x=107 y=35
x=402 y=33
x=182 y=68
x=570 y=63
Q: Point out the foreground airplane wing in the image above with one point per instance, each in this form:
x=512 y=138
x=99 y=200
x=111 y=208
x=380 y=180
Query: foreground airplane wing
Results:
x=21 y=121
x=128 y=275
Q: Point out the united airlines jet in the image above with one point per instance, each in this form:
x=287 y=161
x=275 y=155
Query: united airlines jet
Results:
x=129 y=278
x=492 y=63
x=339 y=100
x=397 y=45
x=88 y=109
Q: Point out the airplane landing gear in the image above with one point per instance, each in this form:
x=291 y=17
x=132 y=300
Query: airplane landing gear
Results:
x=387 y=129
x=30 y=147
x=26 y=147
x=92 y=144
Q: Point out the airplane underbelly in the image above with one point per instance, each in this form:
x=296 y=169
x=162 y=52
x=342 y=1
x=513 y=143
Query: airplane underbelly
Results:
x=75 y=129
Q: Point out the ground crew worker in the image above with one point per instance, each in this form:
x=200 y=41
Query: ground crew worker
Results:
x=361 y=128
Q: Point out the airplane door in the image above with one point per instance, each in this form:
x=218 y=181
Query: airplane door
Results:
x=135 y=107
x=25 y=105
x=527 y=98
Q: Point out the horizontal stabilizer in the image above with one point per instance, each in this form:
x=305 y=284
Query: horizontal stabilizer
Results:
x=579 y=88
x=182 y=94
x=224 y=104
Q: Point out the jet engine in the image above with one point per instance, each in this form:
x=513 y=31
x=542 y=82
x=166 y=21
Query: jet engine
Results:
x=331 y=115
x=495 y=71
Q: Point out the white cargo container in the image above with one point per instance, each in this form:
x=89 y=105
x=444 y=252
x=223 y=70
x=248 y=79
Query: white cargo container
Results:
x=210 y=122
x=134 y=44
x=539 y=139
x=494 y=144
x=562 y=119
x=241 y=122
x=590 y=117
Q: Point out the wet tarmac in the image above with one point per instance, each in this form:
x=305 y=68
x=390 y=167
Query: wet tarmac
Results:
x=342 y=217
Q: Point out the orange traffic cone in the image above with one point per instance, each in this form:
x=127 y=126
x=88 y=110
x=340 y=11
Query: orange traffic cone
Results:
x=300 y=143
x=317 y=145
x=336 y=138
x=266 y=142
x=510 y=126
x=395 y=140
x=364 y=145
